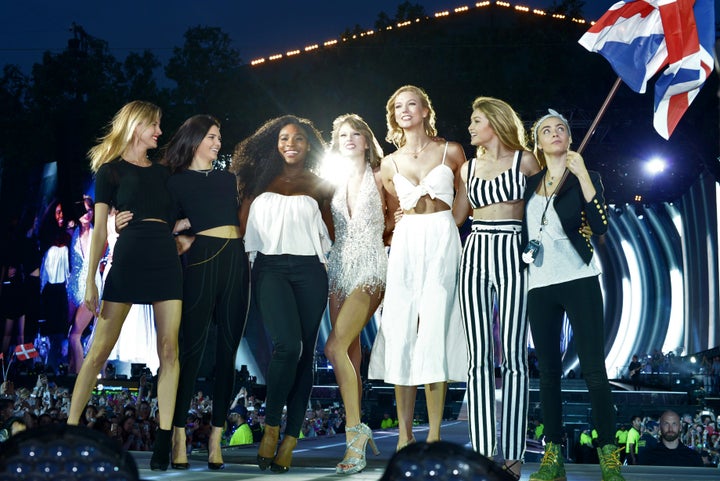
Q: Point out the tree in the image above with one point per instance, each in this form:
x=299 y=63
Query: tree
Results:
x=200 y=68
x=569 y=8
x=409 y=11
x=139 y=75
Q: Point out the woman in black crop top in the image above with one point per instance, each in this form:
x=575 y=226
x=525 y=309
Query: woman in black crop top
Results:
x=492 y=278
x=146 y=268
x=216 y=275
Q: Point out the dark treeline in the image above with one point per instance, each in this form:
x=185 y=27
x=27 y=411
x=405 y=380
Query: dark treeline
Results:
x=533 y=62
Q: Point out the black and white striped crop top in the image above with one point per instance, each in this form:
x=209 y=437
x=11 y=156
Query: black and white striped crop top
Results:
x=508 y=186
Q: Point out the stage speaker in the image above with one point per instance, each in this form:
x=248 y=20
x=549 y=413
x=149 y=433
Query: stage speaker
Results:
x=60 y=452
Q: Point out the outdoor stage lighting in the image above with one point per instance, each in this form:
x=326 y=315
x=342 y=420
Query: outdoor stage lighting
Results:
x=655 y=166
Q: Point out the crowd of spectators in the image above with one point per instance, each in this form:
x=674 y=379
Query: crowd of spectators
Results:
x=130 y=416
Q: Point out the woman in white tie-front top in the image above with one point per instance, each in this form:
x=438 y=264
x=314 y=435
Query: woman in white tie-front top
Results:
x=420 y=340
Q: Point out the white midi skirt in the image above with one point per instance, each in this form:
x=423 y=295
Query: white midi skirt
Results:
x=421 y=336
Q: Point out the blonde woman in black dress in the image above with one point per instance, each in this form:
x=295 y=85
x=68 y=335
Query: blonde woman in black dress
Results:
x=146 y=267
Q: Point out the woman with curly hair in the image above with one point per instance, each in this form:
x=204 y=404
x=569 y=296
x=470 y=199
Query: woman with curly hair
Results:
x=357 y=268
x=287 y=226
x=420 y=340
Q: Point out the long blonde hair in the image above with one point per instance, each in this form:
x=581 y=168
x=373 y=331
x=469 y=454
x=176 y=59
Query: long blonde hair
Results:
x=120 y=131
x=504 y=121
x=396 y=135
x=374 y=153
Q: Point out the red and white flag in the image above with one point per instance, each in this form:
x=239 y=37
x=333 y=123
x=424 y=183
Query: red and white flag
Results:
x=642 y=37
x=23 y=352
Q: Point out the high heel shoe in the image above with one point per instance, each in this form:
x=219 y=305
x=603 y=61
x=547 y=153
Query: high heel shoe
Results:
x=216 y=466
x=352 y=464
x=268 y=443
x=283 y=458
x=180 y=466
x=160 y=458
x=409 y=441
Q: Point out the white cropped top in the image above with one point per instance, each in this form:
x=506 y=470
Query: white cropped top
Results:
x=286 y=224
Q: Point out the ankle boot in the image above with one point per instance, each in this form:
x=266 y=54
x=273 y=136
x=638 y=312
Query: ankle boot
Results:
x=552 y=467
x=161 y=450
x=610 y=463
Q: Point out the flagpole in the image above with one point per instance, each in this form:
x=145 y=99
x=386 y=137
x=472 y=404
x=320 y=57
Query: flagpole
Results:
x=599 y=115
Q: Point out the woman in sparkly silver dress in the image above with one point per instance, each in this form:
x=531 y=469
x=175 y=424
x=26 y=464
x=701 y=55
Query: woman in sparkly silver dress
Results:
x=356 y=268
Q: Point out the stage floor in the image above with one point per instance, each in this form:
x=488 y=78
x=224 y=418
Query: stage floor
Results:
x=315 y=459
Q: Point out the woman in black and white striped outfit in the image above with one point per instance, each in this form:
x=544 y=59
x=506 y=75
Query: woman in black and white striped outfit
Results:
x=491 y=277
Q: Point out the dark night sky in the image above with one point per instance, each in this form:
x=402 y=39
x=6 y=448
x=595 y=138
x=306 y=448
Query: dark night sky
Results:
x=258 y=28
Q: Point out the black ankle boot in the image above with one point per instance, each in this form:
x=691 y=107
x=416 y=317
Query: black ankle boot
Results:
x=161 y=450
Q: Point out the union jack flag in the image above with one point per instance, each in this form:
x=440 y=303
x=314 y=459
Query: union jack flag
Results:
x=641 y=37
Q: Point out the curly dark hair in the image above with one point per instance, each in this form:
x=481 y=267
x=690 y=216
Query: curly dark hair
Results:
x=179 y=152
x=256 y=160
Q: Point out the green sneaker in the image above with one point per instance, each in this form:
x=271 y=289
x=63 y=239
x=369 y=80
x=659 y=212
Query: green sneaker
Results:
x=610 y=462
x=552 y=467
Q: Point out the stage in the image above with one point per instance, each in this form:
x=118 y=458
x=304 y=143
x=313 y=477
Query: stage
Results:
x=315 y=459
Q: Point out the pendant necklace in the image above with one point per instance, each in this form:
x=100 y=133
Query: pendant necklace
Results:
x=416 y=153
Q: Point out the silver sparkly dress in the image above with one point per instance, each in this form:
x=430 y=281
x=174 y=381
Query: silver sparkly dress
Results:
x=358 y=257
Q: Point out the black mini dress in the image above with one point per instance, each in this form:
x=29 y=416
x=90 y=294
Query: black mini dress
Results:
x=146 y=267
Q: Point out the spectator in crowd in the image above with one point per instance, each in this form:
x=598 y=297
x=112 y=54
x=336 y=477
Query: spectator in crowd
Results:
x=242 y=433
x=648 y=438
x=388 y=422
x=632 y=443
x=670 y=451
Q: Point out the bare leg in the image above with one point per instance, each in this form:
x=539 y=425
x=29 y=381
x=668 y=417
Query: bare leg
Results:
x=405 y=400
x=110 y=321
x=83 y=316
x=179 y=442
x=214 y=450
x=435 y=399
x=21 y=330
x=167 y=321
x=7 y=334
x=343 y=350
x=355 y=312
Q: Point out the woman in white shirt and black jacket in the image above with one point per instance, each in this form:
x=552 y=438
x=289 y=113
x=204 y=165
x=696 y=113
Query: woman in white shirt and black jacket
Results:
x=559 y=201
x=287 y=224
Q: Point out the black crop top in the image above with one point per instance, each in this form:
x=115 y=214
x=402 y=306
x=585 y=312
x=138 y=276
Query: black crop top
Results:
x=142 y=190
x=208 y=199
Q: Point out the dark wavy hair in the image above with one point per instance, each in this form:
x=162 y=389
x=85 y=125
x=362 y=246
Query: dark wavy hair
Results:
x=180 y=150
x=257 y=161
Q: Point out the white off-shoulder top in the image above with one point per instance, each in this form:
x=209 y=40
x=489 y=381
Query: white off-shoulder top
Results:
x=286 y=224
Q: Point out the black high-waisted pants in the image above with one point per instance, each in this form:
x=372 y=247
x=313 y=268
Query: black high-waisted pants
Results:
x=216 y=288
x=291 y=294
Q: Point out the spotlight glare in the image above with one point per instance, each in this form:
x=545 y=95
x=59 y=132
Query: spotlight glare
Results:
x=655 y=166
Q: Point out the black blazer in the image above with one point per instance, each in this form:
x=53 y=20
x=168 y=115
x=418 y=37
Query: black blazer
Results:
x=572 y=209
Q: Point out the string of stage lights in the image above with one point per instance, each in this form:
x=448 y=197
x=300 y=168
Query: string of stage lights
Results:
x=438 y=15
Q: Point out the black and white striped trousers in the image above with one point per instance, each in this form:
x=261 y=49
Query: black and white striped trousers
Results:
x=492 y=284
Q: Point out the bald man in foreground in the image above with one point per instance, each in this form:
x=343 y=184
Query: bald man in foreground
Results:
x=670 y=451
